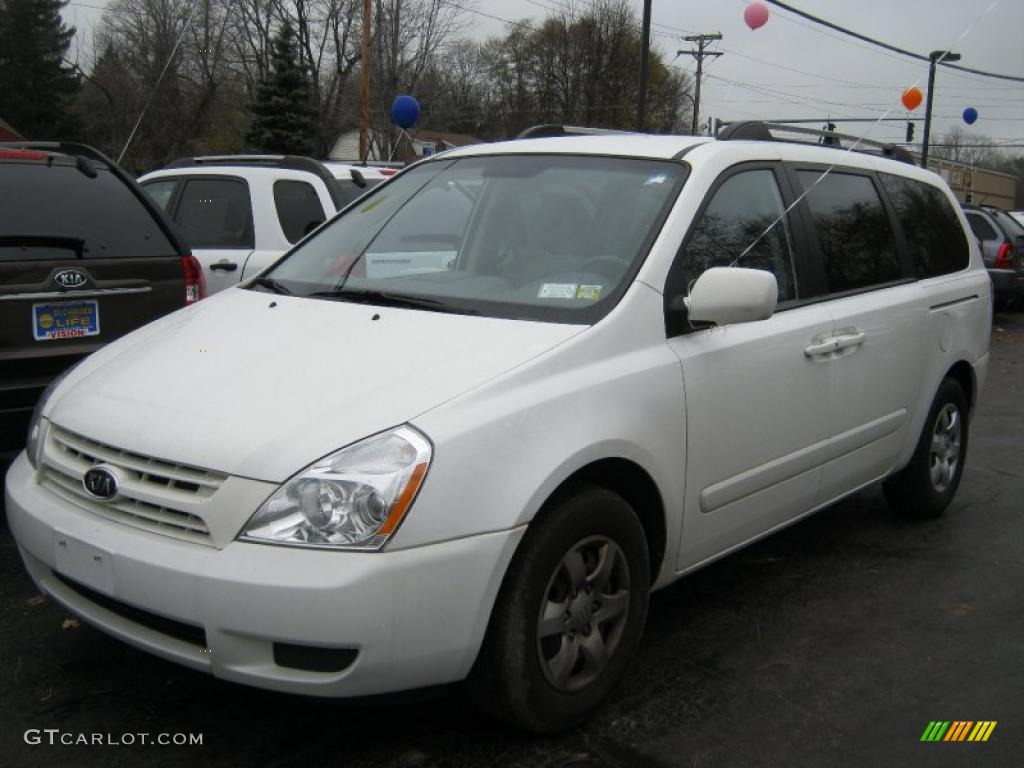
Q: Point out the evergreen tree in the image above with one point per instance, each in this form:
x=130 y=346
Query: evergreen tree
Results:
x=36 y=84
x=282 y=113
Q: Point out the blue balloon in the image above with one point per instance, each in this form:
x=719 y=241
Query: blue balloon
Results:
x=970 y=115
x=405 y=111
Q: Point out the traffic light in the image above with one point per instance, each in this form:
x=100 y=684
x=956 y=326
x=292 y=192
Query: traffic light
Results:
x=910 y=132
x=829 y=139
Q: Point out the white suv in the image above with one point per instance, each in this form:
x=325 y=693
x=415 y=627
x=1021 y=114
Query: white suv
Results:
x=239 y=213
x=646 y=352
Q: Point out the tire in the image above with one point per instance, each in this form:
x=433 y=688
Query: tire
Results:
x=924 y=488
x=548 y=677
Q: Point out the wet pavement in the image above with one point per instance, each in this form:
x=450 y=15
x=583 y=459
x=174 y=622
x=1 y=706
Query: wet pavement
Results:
x=833 y=643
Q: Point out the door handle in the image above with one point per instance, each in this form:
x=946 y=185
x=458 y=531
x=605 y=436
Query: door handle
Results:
x=224 y=266
x=850 y=339
x=823 y=347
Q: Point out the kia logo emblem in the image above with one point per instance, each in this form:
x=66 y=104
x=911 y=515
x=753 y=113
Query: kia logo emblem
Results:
x=101 y=483
x=71 y=278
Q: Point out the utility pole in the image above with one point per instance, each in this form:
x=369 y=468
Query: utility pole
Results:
x=645 y=48
x=933 y=58
x=699 y=54
x=364 y=86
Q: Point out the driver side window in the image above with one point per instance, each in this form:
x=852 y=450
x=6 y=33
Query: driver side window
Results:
x=744 y=225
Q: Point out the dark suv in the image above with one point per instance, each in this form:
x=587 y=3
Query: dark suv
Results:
x=85 y=257
x=1002 y=250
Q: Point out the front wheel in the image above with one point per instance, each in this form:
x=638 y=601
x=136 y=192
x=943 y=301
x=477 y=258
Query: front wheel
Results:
x=568 y=617
x=928 y=483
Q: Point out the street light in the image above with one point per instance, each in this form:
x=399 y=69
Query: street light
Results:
x=934 y=58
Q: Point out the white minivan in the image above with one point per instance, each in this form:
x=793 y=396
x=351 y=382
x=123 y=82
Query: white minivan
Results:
x=606 y=361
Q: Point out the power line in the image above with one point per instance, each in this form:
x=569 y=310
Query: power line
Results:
x=888 y=46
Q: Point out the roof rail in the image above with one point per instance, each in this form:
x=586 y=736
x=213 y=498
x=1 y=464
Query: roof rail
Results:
x=290 y=162
x=757 y=130
x=549 y=130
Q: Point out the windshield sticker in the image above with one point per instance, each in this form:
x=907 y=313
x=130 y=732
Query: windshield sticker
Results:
x=557 y=291
x=590 y=292
x=661 y=178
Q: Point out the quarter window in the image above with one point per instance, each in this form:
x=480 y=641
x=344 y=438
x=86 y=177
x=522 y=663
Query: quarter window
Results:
x=298 y=209
x=216 y=213
x=743 y=225
x=931 y=229
x=854 y=233
x=161 y=191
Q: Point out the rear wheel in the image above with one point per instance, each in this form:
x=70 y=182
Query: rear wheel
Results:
x=568 y=617
x=928 y=483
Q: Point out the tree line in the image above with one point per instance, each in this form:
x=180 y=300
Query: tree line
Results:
x=226 y=76
x=283 y=75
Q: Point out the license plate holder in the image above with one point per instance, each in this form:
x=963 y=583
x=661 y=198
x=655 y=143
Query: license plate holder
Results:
x=65 y=319
x=88 y=565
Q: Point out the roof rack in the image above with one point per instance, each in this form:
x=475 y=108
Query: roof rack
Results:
x=549 y=130
x=290 y=162
x=757 y=130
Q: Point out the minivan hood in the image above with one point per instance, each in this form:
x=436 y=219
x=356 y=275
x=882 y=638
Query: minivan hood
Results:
x=261 y=385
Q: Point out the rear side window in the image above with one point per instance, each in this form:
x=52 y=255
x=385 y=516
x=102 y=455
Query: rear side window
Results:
x=59 y=200
x=161 y=191
x=981 y=227
x=854 y=232
x=1008 y=223
x=734 y=230
x=298 y=208
x=216 y=213
x=933 y=233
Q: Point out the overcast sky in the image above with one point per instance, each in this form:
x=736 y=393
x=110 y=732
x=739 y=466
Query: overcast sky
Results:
x=791 y=68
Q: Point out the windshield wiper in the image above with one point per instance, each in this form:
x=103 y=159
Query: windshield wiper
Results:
x=387 y=299
x=271 y=285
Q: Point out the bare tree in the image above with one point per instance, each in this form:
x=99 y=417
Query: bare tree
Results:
x=411 y=35
x=966 y=147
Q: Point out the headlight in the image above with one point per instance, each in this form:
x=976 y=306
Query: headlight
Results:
x=37 y=426
x=352 y=499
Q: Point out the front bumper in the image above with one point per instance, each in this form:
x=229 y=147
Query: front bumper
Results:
x=416 y=617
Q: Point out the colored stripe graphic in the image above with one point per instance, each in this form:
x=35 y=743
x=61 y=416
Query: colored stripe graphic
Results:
x=958 y=730
x=935 y=730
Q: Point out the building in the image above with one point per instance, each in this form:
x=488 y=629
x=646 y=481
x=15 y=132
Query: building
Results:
x=977 y=185
x=418 y=144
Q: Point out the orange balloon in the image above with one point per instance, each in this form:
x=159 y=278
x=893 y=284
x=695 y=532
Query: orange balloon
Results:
x=912 y=98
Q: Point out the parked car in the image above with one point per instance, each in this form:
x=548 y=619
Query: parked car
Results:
x=85 y=257
x=620 y=358
x=241 y=212
x=1018 y=216
x=354 y=180
x=1002 y=249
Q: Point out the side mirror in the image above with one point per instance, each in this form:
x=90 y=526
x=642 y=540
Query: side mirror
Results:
x=732 y=295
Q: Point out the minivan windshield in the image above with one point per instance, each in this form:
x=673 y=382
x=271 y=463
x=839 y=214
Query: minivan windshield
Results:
x=542 y=237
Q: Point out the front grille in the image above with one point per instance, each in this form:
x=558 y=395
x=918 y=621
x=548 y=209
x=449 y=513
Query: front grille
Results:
x=154 y=495
x=179 y=630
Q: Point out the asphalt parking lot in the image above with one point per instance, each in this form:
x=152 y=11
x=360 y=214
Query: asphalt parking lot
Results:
x=834 y=643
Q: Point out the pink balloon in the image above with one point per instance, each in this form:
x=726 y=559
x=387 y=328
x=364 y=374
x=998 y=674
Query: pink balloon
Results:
x=756 y=15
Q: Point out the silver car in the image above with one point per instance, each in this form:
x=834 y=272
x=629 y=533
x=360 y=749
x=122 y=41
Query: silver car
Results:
x=1002 y=249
